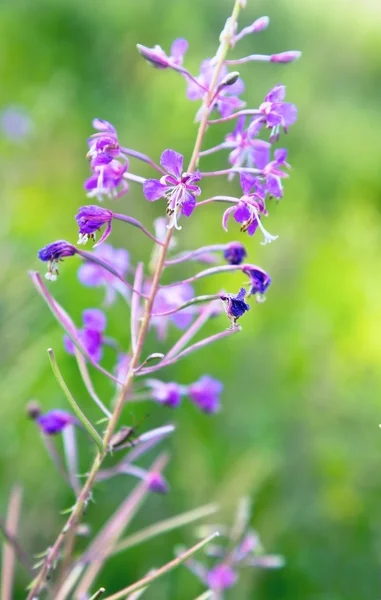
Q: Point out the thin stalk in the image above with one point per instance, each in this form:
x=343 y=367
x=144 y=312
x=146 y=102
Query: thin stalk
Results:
x=163 y=570
x=125 y=388
x=9 y=553
x=191 y=332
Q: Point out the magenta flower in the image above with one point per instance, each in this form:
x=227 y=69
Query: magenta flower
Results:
x=93 y=275
x=167 y=299
x=53 y=254
x=243 y=144
x=275 y=113
x=259 y=279
x=226 y=100
x=169 y=394
x=90 y=219
x=103 y=146
x=54 y=421
x=157 y=483
x=107 y=180
x=91 y=334
x=235 y=306
x=221 y=577
x=205 y=393
x=273 y=173
x=234 y=253
x=176 y=186
x=159 y=59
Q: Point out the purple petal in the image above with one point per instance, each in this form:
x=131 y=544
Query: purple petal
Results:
x=289 y=112
x=153 y=189
x=276 y=94
x=68 y=345
x=91 y=275
x=178 y=48
x=242 y=212
x=188 y=205
x=252 y=227
x=92 y=341
x=273 y=119
x=236 y=88
x=274 y=186
x=172 y=162
x=280 y=155
x=247 y=181
x=102 y=125
x=226 y=215
x=261 y=153
x=183 y=318
x=94 y=319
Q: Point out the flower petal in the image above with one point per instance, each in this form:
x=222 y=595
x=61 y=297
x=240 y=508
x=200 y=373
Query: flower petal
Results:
x=94 y=319
x=178 y=48
x=172 y=162
x=242 y=213
x=153 y=189
x=188 y=204
x=226 y=215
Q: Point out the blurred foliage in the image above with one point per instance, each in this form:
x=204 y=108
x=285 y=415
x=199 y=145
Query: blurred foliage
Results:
x=299 y=426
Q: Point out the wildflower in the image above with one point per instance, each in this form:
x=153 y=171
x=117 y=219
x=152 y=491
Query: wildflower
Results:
x=275 y=113
x=54 y=421
x=157 y=483
x=158 y=58
x=273 y=173
x=221 y=577
x=249 y=208
x=167 y=299
x=91 y=335
x=235 y=306
x=243 y=145
x=165 y=393
x=53 y=254
x=94 y=275
x=234 y=253
x=107 y=180
x=176 y=186
x=259 y=279
x=226 y=99
x=104 y=145
x=90 y=219
x=206 y=394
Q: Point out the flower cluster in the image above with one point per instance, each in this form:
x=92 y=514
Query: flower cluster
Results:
x=155 y=306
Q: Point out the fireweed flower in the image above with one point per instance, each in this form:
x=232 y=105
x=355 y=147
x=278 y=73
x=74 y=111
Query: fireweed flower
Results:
x=205 y=393
x=167 y=299
x=53 y=254
x=234 y=253
x=54 y=421
x=275 y=114
x=104 y=145
x=221 y=577
x=93 y=275
x=249 y=208
x=91 y=335
x=158 y=58
x=90 y=219
x=226 y=100
x=177 y=187
x=107 y=180
x=157 y=483
x=235 y=306
x=259 y=280
x=169 y=394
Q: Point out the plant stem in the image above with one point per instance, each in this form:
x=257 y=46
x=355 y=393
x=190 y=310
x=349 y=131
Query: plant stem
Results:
x=85 y=493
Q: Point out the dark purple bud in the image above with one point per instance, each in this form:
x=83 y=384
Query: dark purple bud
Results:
x=221 y=577
x=33 y=410
x=206 y=394
x=54 y=421
x=259 y=279
x=229 y=79
x=235 y=305
x=157 y=483
x=285 y=57
x=90 y=219
x=53 y=254
x=235 y=253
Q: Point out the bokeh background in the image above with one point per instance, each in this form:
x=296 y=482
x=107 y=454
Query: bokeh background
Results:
x=301 y=407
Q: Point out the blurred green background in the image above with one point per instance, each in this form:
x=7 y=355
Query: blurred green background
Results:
x=299 y=427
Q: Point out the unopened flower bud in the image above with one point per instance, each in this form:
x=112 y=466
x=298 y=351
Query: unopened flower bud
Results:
x=157 y=483
x=285 y=57
x=33 y=410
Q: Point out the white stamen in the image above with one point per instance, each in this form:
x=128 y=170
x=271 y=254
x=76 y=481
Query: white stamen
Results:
x=173 y=221
x=83 y=238
x=50 y=276
x=268 y=236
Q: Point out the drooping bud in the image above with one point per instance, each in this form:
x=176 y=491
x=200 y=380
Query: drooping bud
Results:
x=157 y=483
x=235 y=253
x=55 y=421
x=53 y=254
x=90 y=219
x=33 y=410
x=285 y=57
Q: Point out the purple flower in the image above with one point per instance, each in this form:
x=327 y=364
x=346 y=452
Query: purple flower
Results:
x=226 y=99
x=235 y=306
x=273 y=173
x=286 y=57
x=221 y=577
x=104 y=145
x=176 y=186
x=169 y=394
x=157 y=483
x=275 y=113
x=159 y=59
x=94 y=275
x=168 y=298
x=243 y=145
x=234 y=253
x=249 y=208
x=91 y=335
x=107 y=180
x=206 y=394
x=259 y=279
x=54 y=421
x=90 y=219
x=53 y=254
